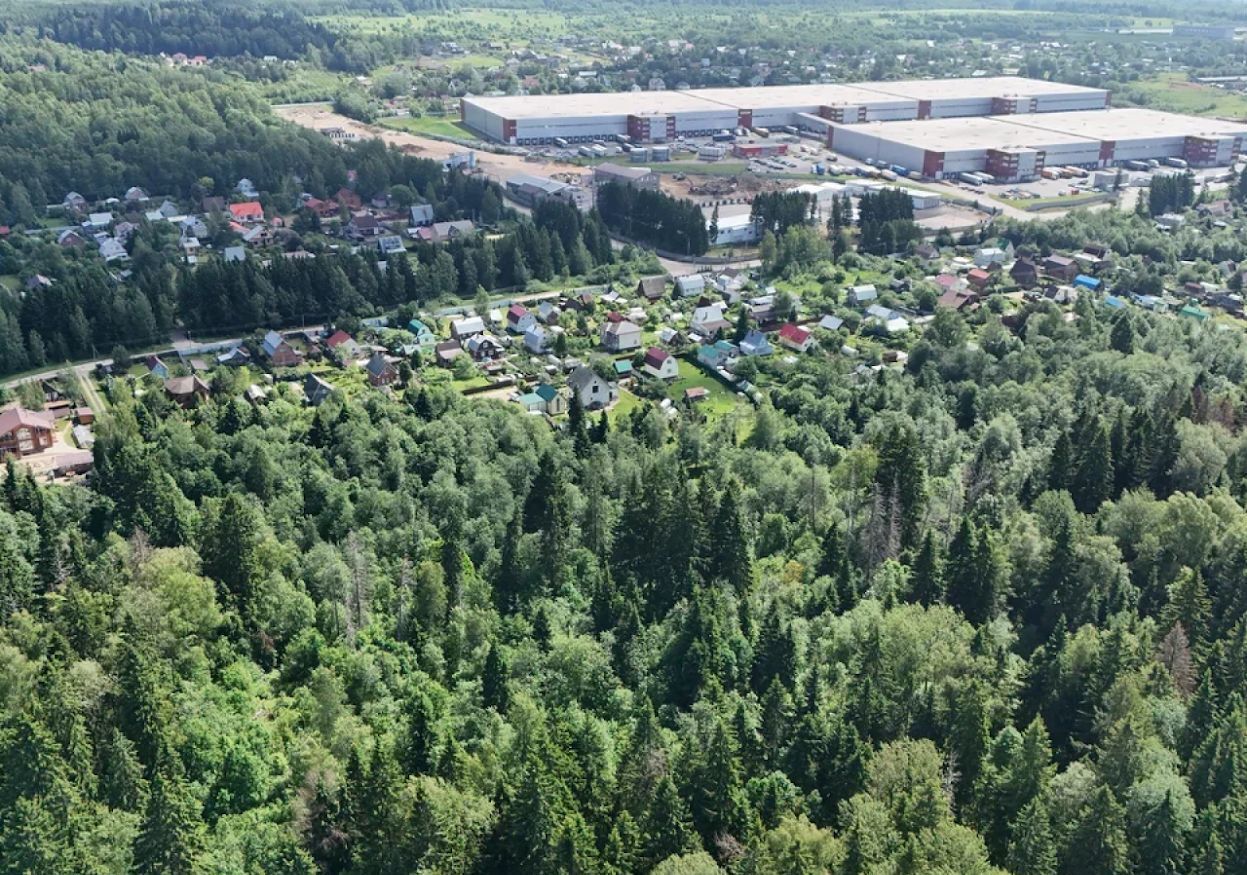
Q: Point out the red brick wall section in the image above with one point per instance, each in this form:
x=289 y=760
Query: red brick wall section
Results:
x=1106 y=150
x=508 y=128
x=924 y=109
x=744 y=118
x=932 y=164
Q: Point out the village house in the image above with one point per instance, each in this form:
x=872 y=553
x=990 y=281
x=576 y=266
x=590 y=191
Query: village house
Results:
x=594 y=392
x=548 y=313
x=651 y=288
x=233 y=358
x=660 y=364
x=519 y=320
x=380 y=370
x=362 y=226
x=979 y=278
x=279 y=351
x=537 y=340
x=425 y=337
x=420 y=215
x=710 y=321
x=989 y=256
x=690 y=285
x=156 y=367
x=555 y=401
x=484 y=347
x=342 y=346
x=247 y=212
x=462 y=329
x=957 y=299
x=620 y=335
x=544 y=399
x=444 y=232
x=1060 y=268
x=1024 y=273
x=860 y=296
x=446 y=352
x=755 y=344
x=323 y=209
x=315 y=390
x=795 y=337
x=187 y=391
x=716 y=355
x=390 y=244
x=24 y=432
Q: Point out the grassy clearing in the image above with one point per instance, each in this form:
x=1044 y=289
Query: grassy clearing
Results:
x=624 y=407
x=429 y=125
x=1174 y=93
x=1064 y=201
x=720 y=401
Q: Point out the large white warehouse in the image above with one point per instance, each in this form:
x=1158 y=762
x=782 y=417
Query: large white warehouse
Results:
x=655 y=116
x=1018 y=147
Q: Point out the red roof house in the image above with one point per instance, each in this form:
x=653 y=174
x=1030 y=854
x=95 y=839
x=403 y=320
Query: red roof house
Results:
x=247 y=211
x=795 y=337
x=661 y=364
x=979 y=278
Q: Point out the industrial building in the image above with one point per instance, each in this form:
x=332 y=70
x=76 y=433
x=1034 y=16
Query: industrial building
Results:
x=1018 y=147
x=659 y=116
x=636 y=177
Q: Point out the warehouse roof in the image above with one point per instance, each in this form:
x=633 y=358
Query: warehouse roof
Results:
x=598 y=104
x=1128 y=123
x=961 y=134
x=775 y=96
x=978 y=86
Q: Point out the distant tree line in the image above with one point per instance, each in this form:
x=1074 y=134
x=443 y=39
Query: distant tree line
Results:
x=652 y=217
x=214 y=29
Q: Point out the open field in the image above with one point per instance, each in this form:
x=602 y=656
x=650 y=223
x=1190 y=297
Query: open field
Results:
x=432 y=125
x=496 y=167
x=1173 y=92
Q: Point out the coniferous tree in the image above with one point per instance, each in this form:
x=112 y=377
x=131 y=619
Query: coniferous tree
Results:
x=494 y=680
x=1098 y=842
x=1032 y=847
x=171 y=837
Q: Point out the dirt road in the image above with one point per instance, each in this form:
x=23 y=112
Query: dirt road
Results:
x=496 y=167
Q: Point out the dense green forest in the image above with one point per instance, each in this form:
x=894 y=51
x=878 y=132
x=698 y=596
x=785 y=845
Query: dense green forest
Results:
x=985 y=615
x=654 y=218
x=980 y=613
x=98 y=124
x=210 y=29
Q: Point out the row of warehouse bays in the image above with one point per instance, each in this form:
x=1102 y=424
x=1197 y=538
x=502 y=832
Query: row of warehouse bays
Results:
x=654 y=116
x=1018 y=148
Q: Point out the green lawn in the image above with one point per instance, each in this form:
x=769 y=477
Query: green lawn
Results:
x=434 y=125
x=1064 y=201
x=721 y=400
x=475 y=382
x=624 y=407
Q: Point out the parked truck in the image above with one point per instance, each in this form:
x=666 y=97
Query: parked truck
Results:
x=1176 y=162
